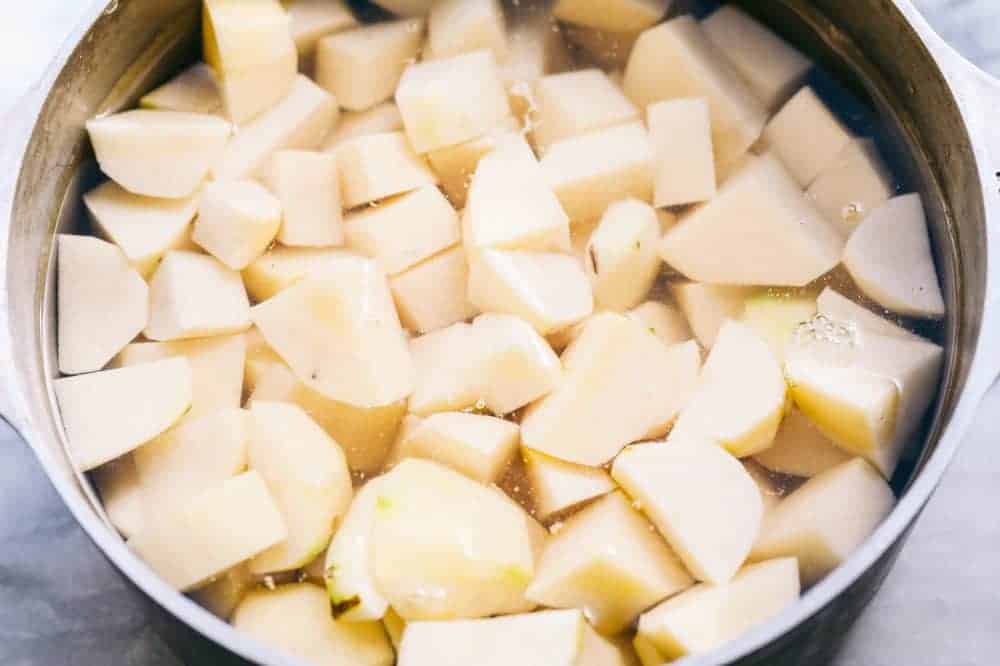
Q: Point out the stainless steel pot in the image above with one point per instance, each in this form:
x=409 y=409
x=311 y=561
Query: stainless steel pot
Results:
x=936 y=104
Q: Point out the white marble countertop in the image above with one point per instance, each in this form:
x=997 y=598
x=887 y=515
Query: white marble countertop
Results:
x=62 y=604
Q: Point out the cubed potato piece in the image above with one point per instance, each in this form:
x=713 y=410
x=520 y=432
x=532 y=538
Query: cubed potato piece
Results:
x=109 y=413
x=614 y=367
x=837 y=306
x=447 y=363
x=590 y=172
x=299 y=121
x=824 y=521
x=800 y=449
x=856 y=183
x=557 y=485
x=143 y=227
x=308 y=186
x=364 y=433
x=224 y=594
x=311 y=20
x=708 y=616
x=760 y=229
x=456 y=164
x=616 y=16
x=307 y=474
x=708 y=306
x=622 y=261
x=775 y=315
x=740 y=397
x=281 y=267
x=564 y=637
x=361 y=67
x=216 y=368
x=401 y=232
x=376 y=166
x=339 y=332
x=806 y=135
x=295 y=619
x=193 y=295
x=866 y=392
x=677 y=59
x=510 y=206
x=117 y=484
x=462 y=26
x=699 y=497
x=604 y=48
x=773 y=68
x=905 y=279
x=536 y=48
x=376 y=120
x=95 y=278
x=681 y=134
x=549 y=291
x=194 y=90
x=575 y=103
x=664 y=320
x=770 y=492
x=435 y=117
x=608 y=561
x=434 y=293
x=237 y=221
x=185 y=545
x=194 y=456
x=164 y=154
x=478 y=446
x=437 y=530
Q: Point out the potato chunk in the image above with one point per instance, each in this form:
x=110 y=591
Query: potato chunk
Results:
x=708 y=306
x=575 y=103
x=376 y=120
x=281 y=267
x=616 y=16
x=837 y=306
x=117 y=484
x=312 y=20
x=800 y=449
x=621 y=258
x=479 y=447
x=537 y=47
x=806 y=135
x=610 y=562
x=456 y=164
x=557 y=485
x=237 y=221
x=434 y=293
x=664 y=320
x=447 y=364
x=194 y=90
x=681 y=135
x=617 y=367
x=826 y=519
x=376 y=166
x=856 y=183
x=462 y=26
x=308 y=186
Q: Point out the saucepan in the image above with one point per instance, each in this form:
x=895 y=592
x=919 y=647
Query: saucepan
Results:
x=936 y=107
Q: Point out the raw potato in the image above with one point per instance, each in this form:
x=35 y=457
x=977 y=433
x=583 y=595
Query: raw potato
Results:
x=839 y=307
x=557 y=485
x=616 y=16
x=708 y=616
x=903 y=280
x=194 y=90
x=699 y=497
x=575 y=103
x=401 y=232
x=806 y=135
x=708 y=306
x=663 y=320
x=447 y=547
x=339 y=332
x=118 y=486
x=609 y=50
x=772 y=67
x=620 y=384
x=621 y=259
x=549 y=291
x=164 y=154
x=590 y=172
x=456 y=164
x=824 y=521
x=216 y=368
x=376 y=120
x=800 y=449
x=299 y=121
x=856 y=183
x=144 y=228
x=545 y=638
x=447 y=364
x=185 y=545
x=681 y=134
x=435 y=117
x=193 y=456
x=348 y=570
x=249 y=45
x=295 y=619
x=376 y=166
x=95 y=278
x=237 y=221
x=364 y=434
x=461 y=26
x=109 y=413
x=760 y=229
x=537 y=48
x=740 y=397
x=280 y=268
x=311 y=20
x=608 y=561
x=677 y=59
x=433 y=294
x=480 y=447
x=307 y=474
x=308 y=186
x=361 y=67
x=224 y=594
x=192 y=296
x=775 y=315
